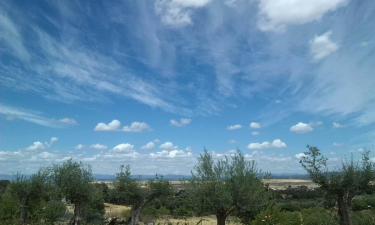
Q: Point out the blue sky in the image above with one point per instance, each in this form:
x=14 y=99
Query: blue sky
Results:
x=153 y=83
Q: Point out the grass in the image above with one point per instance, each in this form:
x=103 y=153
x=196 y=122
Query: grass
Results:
x=119 y=211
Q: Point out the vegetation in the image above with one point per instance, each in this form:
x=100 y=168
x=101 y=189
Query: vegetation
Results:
x=222 y=190
x=342 y=185
x=229 y=186
x=129 y=192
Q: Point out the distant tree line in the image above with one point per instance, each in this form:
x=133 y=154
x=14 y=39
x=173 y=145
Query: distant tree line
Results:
x=227 y=187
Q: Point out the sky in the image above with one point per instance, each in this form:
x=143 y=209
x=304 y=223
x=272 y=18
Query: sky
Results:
x=154 y=83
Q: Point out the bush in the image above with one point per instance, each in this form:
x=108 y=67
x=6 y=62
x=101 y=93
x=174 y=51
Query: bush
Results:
x=366 y=217
x=318 y=216
x=274 y=216
x=9 y=211
x=298 y=205
x=363 y=202
x=53 y=211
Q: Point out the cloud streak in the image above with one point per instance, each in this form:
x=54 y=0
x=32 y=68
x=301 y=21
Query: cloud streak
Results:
x=14 y=113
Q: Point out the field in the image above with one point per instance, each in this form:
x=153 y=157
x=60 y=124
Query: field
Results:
x=282 y=184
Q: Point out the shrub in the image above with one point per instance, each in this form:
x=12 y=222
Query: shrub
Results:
x=318 y=216
x=363 y=202
x=366 y=217
x=274 y=216
x=9 y=211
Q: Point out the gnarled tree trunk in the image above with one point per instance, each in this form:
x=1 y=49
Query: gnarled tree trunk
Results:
x=221 y=218
x=23 y=214
x=77 y=219
x=136 y=213
x=343 y=204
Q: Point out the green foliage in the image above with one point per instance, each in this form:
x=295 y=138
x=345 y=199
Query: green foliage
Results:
x=182 y=204
x=73 y=181
x=318 y=216
x=127 y=191
x=274 y=216
x=228 y=186
x=352 y=179
x=365 y=217
x=9 y=208
x=364 y=202
x=94 y=210
x=53 y=211
x=30 y=200
x=298 y=205
x=3 y=186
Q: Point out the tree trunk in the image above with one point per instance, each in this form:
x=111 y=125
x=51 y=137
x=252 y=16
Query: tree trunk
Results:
x=136 y=212
x=77 y=215
x=23 y=214
x=220 y=218
x=344 y=211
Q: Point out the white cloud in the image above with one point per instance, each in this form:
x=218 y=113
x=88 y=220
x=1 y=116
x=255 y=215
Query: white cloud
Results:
x=177 y=13
x=98 y=147
x=114 y=125
x=79 y=147
x=137 y=127
x=234 y=127
x=322 y=46
x=149 y=146
x=299 y=156
x=53 y=140
x=255 y=125
x=277 y=143
x=68 y=121
x=275 y=15
x=37 y=145
x=46 y=155
x=181 y=122
x=124 y=148
x=337 y=125
x=301 y=128
x=255 y=133
x=168 y=146
x=169 y=150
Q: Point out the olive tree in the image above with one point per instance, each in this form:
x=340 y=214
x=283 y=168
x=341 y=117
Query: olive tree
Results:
x=73 y=181
x=352 y=179
x=28 y=192
x=228 y=186
x=130 y=192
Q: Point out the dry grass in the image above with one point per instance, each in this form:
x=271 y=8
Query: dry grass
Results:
x=280 y=184
x=206 y=220
x=119 y=211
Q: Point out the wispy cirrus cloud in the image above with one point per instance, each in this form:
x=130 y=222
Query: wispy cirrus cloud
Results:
x=177 y=13
x=15 y=113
